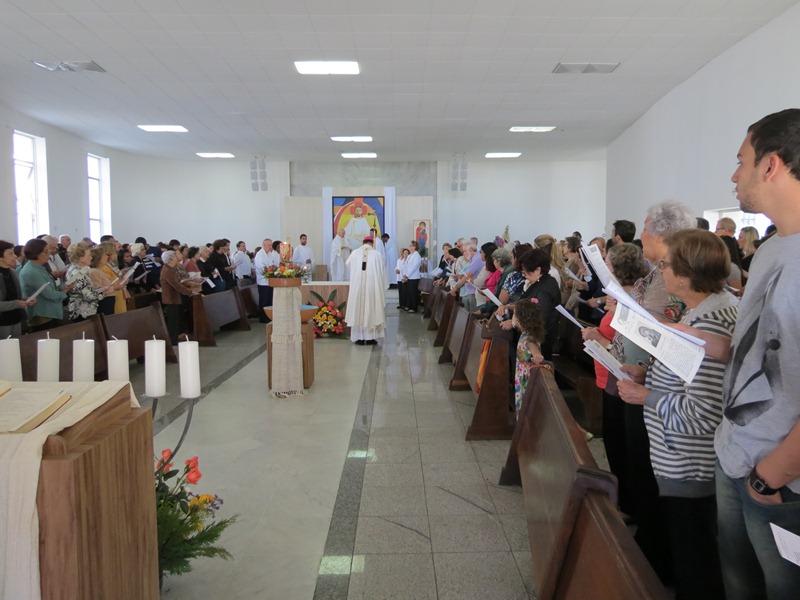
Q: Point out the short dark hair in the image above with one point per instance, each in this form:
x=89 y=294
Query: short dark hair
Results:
x=173 y=242
x=276 y=245
x=33 y=248
x=573 y=243
x=106 y=238
x=517 y=253
x=303 y=235
x=535 y=259
x=626 y=230
x=4 y=245
x=192 y=251
x=703 y=224
x=778 y=133
x=701 y=256
x=140 y=240
x=219 y=244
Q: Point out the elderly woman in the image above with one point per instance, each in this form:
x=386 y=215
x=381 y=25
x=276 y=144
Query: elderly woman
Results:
x=171 y=291
x=12 y=304
x=503 y=264
x=83 y=297
x=48 y=311
x=515 y=281
x=103 y=278
x=681 y=418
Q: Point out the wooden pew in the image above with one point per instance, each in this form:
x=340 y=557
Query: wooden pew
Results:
x=603 y=559
x=442 y=316
x=249 y=293
x=91 y=328
x=214 y=311
x=575 y=369
x=492 y=419
x=436 y=296
x=468 y=353
x=425 y=289
x=142 y=300
x=456 y=328
x=138 y=326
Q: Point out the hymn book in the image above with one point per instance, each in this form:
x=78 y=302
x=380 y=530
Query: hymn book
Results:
x=23 y=409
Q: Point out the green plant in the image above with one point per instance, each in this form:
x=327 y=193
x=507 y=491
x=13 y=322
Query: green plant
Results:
x=329 y=318
x=187 y=527
x=287 y=271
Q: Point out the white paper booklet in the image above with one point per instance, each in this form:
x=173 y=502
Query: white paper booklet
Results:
x=569 y=316
x=592 y=254
x=604 y=357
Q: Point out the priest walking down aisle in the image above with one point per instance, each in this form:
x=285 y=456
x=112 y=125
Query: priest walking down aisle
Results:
x=365 y=306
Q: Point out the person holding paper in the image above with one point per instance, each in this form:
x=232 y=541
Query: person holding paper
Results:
x=529 y=323
x=12 y=303
x=171 y=291
x=504 y=267
x=758 y=442
x=111 y=269
x=681 y=418
x=83 y=297
x=48 y=311
x=103 y=280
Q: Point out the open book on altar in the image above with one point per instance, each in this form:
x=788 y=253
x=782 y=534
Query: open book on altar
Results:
x=23 y=409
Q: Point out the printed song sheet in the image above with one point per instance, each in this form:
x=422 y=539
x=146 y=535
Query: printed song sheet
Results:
x=604 y=357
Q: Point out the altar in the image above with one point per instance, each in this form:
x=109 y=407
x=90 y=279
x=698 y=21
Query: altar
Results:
x=324 y=289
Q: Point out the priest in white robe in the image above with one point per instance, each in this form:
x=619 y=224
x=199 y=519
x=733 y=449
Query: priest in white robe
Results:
x=340 y=252
x=365 y=304
x=303 y=255
x=390 y=253
x=378 y=243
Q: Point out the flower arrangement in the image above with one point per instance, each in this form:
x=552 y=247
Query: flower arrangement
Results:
x=187 y=527
x=329 y=318
x=284 y=271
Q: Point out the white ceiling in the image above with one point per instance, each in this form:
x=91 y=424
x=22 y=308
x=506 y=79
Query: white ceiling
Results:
x=438 y=78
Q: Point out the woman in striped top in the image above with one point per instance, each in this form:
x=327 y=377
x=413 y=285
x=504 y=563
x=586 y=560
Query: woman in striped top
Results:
x=681 y=418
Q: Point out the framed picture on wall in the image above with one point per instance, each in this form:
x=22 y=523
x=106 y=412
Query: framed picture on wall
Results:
x=357 y=215
x=421 y=233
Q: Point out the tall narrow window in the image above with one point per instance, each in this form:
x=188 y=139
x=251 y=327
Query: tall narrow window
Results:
x=99 y=188
x=30 y=186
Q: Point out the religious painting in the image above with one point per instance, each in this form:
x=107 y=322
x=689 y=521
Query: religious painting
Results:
x=421 y=233
x=357 y=215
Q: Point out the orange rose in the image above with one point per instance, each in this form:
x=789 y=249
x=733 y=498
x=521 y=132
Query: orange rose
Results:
x=193 y=476
x=165 y=456
x=192 y=463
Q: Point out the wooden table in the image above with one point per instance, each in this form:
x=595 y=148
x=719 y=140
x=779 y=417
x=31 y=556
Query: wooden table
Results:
x=324 y=289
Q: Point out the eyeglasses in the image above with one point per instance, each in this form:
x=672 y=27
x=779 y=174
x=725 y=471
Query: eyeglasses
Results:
x=662 y=264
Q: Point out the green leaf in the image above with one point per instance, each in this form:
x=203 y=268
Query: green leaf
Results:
x=317 y=296
x=332 y=295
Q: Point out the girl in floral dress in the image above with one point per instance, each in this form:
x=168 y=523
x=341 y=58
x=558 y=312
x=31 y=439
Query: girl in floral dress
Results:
x=528 y=320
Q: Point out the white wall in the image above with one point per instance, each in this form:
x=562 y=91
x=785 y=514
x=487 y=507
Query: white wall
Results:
x=685 y=146
x=530 y=197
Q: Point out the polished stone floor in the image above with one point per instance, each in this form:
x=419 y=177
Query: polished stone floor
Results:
x=363 y=488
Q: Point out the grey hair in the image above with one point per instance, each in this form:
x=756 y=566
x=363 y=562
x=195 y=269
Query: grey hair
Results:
x=471 y=246
x=669 y=216
x=136 y=248
x=502 y=256
x=49 y=239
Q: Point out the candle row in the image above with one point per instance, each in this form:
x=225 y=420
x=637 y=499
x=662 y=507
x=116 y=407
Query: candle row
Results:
x=48 y=362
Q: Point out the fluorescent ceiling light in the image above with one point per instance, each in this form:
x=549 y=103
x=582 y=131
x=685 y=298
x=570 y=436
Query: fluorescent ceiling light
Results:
x=215 y=155
x=69 y=65
x=351 y=138
x=523 y=129
x=327 y=67
x=163 y=128
x=503 y=154
x=359 y=155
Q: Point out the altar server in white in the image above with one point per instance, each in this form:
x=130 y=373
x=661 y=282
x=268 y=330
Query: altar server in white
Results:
x=365 y=304
x=340 y=252
x=391 y=258
x=303 y=254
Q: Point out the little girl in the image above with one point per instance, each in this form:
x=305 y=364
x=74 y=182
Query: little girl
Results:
x=528 y=321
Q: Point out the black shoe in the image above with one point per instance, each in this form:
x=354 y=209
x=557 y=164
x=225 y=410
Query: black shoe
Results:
x=400 y=307
x=360 y=342
x=371 y=342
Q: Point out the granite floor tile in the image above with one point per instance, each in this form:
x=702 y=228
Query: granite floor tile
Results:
x=393 y=452
x=394 y=433
x=491 y=451
x=491 y=471
x=392 y=501
x=516 y=530
x=398 y=534
x=458 y=500
x=448 y=451
x=384 y=406
x=507 y=499
x=341 y=536
x=383 y=475
x=407 y=419
x=468 y=533
x=434 y=407
x=452 y=433
x=525 y=566
x=395 y=576
x=452 y=474
x=478 y=576
x=440 y=419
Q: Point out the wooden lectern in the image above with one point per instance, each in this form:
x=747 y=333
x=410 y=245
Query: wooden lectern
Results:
x=97 y=508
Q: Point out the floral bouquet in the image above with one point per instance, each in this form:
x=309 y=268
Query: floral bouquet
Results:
x=285 y=271
x=187 y=527
x=329 y=318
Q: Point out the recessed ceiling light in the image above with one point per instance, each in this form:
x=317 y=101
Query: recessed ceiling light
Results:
x=359 y=155
x=163 y=128
x=215 y=155
x=524 y=129
x=327 y=67
x=351 y=138
x=69 y=65
x=503 y=154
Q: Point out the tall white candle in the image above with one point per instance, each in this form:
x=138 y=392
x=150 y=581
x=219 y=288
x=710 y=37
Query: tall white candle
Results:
x=47 y=364
x=118 y=361
x=83 y=360
x=10 y=360
x=189 y=357
x=155 y=368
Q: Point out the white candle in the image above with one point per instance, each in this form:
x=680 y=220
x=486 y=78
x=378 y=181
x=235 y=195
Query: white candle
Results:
x=10 y=360
x=47 y=364
x=155 y=368
x=83 y=360
x=118 y=361
x=189 y=358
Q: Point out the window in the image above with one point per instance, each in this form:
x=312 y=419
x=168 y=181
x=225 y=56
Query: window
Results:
x=99 y=192
x=30 y=186
x=741 y=218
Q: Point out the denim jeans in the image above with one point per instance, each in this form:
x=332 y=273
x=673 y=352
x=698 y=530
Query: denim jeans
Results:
x=752 y=568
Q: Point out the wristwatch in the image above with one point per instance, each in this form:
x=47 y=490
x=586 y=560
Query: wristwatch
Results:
x=759 y=485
